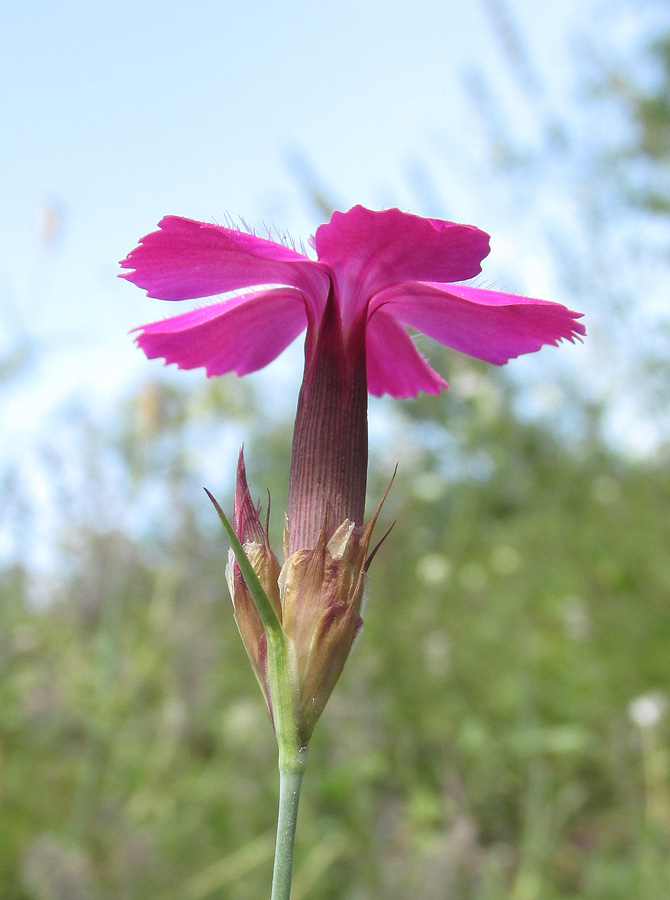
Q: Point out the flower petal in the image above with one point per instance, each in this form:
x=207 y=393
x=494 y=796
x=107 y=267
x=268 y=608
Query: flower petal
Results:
x=394 y=365
x=488 y=325
x=369 y=251
x=186 y=259
x=241 y=334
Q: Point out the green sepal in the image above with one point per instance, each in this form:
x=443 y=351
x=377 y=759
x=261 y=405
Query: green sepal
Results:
x=265 y=609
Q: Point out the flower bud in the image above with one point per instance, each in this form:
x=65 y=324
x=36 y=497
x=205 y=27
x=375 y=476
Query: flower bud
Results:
x=318 y=595
x=254 y=539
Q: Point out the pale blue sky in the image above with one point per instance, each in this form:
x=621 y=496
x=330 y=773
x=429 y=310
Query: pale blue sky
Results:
x=122 y=112
x=119 y=113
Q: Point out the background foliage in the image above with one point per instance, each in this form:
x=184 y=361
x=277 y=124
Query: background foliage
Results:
x=500 y=729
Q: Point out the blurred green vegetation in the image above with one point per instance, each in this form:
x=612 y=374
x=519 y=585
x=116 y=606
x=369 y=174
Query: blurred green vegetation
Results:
x=500 y=730
x=479 y=744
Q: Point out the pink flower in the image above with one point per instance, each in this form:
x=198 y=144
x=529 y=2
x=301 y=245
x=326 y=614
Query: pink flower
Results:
x=375 y=274
x=387 y=270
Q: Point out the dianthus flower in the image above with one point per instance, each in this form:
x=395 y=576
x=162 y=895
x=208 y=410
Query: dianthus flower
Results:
x=375 y=274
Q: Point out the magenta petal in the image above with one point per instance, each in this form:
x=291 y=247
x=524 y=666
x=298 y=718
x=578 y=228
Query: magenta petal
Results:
x=370 y=251
x=394 y=365
x=239 y=335
x=488 y=325
x=186 y=259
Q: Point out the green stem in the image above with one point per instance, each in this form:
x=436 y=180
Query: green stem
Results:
x=292 y=760
x=285 y=717
x=290 y=779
